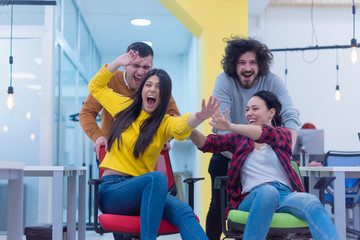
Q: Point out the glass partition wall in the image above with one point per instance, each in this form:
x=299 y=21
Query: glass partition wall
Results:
x=54 y=59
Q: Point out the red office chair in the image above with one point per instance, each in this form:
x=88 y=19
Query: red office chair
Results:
x=130 y=225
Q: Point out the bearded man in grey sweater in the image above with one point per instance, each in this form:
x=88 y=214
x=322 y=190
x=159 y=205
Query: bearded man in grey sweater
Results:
x=246 y=66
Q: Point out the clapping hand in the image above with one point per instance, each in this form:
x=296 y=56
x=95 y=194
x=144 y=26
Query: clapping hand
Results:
x=207 y=110
x=220 y=122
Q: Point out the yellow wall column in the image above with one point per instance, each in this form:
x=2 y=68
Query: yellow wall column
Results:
x=210 y=21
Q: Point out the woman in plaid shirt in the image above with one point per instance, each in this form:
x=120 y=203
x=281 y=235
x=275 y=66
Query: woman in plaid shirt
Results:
x=261 y=179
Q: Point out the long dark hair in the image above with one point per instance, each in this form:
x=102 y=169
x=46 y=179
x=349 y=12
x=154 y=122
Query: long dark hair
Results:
x=148 y=128
x=237 y=46
x=271 y=101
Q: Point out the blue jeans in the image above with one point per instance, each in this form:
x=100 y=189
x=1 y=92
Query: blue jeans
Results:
x=266 y=199
x=147 y=195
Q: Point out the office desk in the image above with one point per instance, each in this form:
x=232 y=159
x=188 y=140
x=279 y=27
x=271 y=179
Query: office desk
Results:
x=339 y=189
x=13 y=172
x=58 y=173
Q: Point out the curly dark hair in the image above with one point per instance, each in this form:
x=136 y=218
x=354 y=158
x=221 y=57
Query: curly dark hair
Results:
x=237 y=46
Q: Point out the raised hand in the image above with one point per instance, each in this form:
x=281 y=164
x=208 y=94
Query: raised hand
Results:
x=219 y=121
x=207 y=109
x=129 y=58
x=125 y=59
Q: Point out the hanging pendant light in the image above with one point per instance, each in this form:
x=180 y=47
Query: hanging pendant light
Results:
x=337 y=93
x=337 y=88
x=10 y=99
x=353 y=51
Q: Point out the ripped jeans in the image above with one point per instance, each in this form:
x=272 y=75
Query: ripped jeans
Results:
x=266 y=199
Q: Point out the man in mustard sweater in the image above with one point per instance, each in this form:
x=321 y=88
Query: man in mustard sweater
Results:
x=123 y=82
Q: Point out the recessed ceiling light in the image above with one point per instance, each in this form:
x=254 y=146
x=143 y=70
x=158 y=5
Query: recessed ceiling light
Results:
x=140 y=22
x=148 y=43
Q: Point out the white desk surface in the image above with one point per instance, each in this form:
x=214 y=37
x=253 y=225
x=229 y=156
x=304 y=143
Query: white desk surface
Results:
x=12 y=165
x=49 y=170
x=330 y=169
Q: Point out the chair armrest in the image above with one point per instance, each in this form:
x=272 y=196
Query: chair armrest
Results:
x=322 y=184
x=220 y=182
x=94 y=181
x=190 y=182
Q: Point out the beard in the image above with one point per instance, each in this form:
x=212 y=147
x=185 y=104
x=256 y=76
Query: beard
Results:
x=247 y=84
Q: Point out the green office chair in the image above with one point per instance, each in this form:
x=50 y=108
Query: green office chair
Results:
x=283 y=225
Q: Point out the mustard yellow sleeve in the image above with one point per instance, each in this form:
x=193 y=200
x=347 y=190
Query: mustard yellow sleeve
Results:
x=111 y=101
x=179 y=128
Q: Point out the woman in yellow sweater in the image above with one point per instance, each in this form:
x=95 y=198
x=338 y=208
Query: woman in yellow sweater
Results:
x=140 y=128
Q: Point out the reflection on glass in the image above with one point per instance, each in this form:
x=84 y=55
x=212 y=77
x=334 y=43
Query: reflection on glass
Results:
x=67 y=108
x=70 y=23
x=84 y=44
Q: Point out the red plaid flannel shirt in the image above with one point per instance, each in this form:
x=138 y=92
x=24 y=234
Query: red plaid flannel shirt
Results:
x=278 y=138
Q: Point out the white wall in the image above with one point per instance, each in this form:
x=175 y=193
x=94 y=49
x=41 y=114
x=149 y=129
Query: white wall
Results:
x=312 y=85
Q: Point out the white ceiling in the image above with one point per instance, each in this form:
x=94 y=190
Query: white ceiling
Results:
x=109 y=23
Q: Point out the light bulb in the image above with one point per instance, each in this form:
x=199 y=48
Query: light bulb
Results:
x=353 y=55
x=10 y=99
x=353 y=51
x=337 y=93
x=10 y=102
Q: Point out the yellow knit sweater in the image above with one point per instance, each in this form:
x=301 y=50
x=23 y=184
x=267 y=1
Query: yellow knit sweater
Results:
x=122 y=159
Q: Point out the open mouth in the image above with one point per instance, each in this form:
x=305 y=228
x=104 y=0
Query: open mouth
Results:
x=136 y=79
x=247 y=75
x=151 y=100
x=251 y=121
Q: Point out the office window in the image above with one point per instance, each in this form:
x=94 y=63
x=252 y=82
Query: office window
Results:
x=96 y=61
x=67 y=108
x=84 y=44
x=20 y=127
x=70 y=20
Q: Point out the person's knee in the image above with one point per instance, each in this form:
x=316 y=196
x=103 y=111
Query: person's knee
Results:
x=306 y=201
x=159 y=175
x=312 y=201
x=159 y=179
